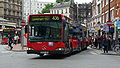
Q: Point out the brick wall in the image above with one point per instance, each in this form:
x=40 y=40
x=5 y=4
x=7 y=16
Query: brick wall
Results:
x=115 y=4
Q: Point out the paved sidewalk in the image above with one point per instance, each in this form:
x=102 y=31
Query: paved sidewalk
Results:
x=17 y=48
x=101 y=52
x=109 y=52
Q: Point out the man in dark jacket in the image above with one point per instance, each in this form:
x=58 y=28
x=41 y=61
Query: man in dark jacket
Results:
x=10 y=41
x=105 y=44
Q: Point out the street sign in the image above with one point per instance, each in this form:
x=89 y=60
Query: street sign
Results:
x=3 y=27
x=111 y=29
x=23 y=23
x=118 y=25
x=96 y=27
x=109 y=23
x=106 y=28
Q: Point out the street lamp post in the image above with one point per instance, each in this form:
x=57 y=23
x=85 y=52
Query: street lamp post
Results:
x=109 y=18
x=3 y=13
x=30 y=7
x=77 y=10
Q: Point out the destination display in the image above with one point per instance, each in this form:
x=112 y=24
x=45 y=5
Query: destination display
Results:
x=44 y=18
x=8 y=31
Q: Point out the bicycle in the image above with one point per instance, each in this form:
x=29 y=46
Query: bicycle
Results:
x=116 y=47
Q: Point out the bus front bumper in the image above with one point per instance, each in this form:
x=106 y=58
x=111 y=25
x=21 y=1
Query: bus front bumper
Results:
x=45 y=52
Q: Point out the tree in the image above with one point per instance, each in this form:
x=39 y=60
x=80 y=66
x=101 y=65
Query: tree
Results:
x=60 y=1
x=47 y=8
x=39 y=12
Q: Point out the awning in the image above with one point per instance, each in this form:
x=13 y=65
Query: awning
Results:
x=2 y=19
x=5 y=22
x=8 y=24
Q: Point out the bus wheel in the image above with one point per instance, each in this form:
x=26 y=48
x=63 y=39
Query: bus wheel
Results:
x=85 y=48
x=79 y=49
x=71 y=49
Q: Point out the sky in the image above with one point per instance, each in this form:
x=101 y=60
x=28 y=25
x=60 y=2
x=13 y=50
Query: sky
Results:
x=79 y=1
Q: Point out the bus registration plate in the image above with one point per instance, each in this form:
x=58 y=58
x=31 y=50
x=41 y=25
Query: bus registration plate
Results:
x=44 y=52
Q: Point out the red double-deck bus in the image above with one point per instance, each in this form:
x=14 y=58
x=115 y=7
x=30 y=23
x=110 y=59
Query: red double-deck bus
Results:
x=12 y=32
x=53 y=34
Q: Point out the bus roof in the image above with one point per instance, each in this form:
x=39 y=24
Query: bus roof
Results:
x=49 y=14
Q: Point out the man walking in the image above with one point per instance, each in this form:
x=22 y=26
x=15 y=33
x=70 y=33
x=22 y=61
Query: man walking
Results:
x=105 y=44
x=10 y=41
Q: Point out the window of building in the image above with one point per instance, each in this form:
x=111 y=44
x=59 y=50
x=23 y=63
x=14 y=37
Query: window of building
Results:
x=102 y=3
x=61 y=11
x=54 y=11
x=98 y=8
x=102 y=18
x=66 y=11
x=106 y=16
x=24 y=13
x=84 y=14
x=13 y=1
x=107 y=2
x=84 y=6
x=57 y=11
x=112 y=14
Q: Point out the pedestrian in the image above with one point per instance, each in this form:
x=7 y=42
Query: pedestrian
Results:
x=16 y=37
x=110 y=43
x=92 y=42
x=10 y=41
x=96 y=41
x=100 y=38
x=105 y=44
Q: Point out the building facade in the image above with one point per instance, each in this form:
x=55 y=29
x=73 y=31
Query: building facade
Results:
x=61 y=8
x=33 y=7
x=84 y=12
x=114 y=10
x=11 y=10
x=95 y=22
x=77 y=12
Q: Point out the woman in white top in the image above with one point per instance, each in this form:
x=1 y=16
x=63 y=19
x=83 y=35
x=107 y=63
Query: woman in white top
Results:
x=16 y=37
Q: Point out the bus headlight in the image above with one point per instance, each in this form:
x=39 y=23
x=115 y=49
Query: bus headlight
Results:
x=30 y=49
x=60 y=49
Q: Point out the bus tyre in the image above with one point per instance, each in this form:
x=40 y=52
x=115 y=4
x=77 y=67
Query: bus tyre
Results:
x=85 y=48
x=79 y=49
x=71 y=49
